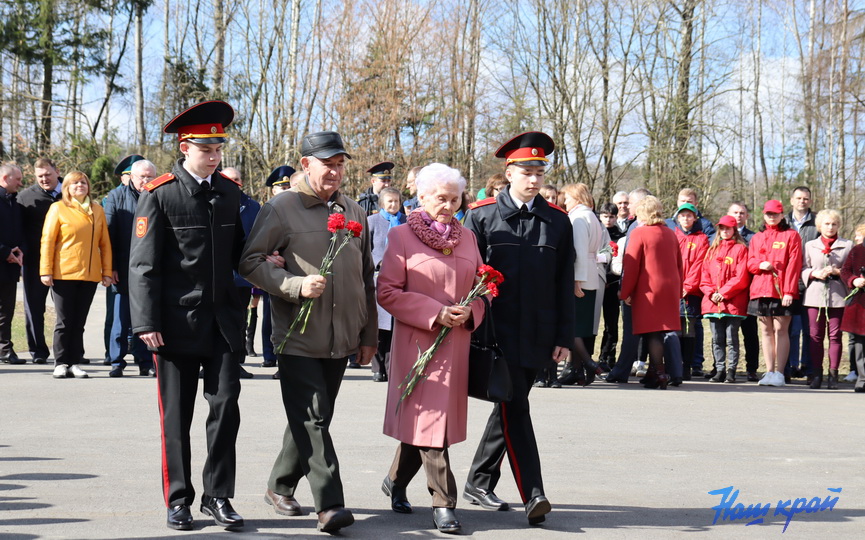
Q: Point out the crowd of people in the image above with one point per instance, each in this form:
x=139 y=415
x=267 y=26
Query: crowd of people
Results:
x=188 y=257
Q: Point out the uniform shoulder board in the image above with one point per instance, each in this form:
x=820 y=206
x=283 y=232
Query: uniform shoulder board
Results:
x=232 y=180
x=156 y=182
x=483 y=202
x=559 y=208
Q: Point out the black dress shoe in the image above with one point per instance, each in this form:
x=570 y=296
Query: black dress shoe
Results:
x=245 y=374
x=179 y=518
x=614 y=380
x=334 y=519
x=116 y=372
x=144 y=372
x=446 y=521
x=268 y=363
x=398 y=499
x=537 y=508
x=275 y=375
x=220 y=510
x=13 y=359
x=483 y=498
x=752 y=376
x=39 y=360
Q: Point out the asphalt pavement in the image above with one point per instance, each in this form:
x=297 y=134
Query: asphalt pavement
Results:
x=80 y=459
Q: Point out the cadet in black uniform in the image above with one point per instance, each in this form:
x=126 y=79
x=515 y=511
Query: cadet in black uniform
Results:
x=187 y=239
x=531 y=243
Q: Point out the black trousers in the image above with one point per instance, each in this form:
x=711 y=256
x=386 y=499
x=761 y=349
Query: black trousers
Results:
x=8 y=288
x=509 y=432
x=610 y=336
x=177 y=382
x=752 y=343
x=381 y=360
x=35 y=295
x=309 y=389
x=72 y=300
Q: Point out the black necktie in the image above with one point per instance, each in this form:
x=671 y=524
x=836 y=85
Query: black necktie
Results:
x=205 y=185
x=524 y=211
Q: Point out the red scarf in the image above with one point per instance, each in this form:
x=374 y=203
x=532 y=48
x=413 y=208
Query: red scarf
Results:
x=827 y=243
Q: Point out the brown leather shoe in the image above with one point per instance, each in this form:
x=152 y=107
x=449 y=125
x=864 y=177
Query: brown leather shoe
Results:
x=334 y=519
x=285 y=505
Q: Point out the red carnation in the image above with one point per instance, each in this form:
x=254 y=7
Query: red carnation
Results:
x=354 y=227
x=335 y=222
x=484 y=269
x=493 y=289
x=615 y=247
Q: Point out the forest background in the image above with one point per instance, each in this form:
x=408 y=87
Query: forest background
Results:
x=740 y=99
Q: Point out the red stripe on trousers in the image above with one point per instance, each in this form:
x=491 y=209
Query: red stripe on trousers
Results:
x=514 y=465
x=165 y=480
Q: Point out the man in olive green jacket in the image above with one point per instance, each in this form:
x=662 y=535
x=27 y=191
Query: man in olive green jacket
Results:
x=342 y=321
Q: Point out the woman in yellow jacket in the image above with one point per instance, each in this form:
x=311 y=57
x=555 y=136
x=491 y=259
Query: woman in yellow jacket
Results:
x=75 y=256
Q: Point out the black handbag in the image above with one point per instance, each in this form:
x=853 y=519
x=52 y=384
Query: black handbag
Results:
x=489 y=376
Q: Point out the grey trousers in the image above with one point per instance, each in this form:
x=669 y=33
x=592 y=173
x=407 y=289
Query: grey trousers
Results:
x=725 y=342
x=436 y=463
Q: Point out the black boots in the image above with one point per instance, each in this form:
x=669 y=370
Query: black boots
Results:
x=816 y=381
x=251 y=324
x=832 y=383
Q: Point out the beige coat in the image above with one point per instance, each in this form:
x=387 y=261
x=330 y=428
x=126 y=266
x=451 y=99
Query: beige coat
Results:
x=344 y=317
x=829 y=293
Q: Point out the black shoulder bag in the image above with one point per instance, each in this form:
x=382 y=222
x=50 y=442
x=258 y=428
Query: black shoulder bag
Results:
x=489 y=377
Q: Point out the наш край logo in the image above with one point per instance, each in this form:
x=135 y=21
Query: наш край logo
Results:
x=730 y=510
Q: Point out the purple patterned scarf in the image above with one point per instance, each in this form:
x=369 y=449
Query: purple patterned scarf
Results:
x=439 y=236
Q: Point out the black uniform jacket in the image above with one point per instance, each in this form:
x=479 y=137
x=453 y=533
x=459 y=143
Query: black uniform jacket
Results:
x=534 y=311
x=186 y=242
x=11 y=235
x=34 y=202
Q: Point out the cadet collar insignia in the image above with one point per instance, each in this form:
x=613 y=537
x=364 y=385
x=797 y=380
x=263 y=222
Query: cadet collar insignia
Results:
x=156 y=182
x=482 y=202
x=140 y=227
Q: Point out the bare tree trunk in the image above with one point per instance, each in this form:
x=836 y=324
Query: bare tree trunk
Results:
x=43 y=130
x=140 y=135
x=219 y=47
x=291 y=135
x=681 y=107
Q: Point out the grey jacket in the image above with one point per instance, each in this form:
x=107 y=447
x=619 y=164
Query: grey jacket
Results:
x=820 y=293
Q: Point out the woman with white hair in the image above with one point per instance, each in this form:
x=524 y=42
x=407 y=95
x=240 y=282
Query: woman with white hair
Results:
x=429 y=266
x=824 y=293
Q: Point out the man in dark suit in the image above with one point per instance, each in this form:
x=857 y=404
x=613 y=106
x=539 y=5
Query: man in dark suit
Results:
x=11 y=257
x=531 y=243
x=34 y=202
x=187 y=241
x=750 y=337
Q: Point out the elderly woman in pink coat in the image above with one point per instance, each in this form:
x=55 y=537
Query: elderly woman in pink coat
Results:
x=429 y=266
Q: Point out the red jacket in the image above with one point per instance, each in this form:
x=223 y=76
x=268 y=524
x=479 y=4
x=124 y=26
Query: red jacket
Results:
x=784 y=251
x=725 y=271
x=854 y=313
x=693 y=247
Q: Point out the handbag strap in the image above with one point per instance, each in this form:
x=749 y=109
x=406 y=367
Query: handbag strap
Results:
x=485 y=334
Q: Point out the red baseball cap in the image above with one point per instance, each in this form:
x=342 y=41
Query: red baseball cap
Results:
x=773 y=207
x=728 y=221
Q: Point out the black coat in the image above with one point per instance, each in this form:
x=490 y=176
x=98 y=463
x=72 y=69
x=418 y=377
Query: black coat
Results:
x=119 y=209
x=34 y=202
x=534 y=311
x=11 y=234
x=368 y=200
x=181 y=263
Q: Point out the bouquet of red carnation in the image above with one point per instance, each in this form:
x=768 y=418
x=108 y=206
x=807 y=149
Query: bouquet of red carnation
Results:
x=335 y=224
x=614 y=249
x=488 y=283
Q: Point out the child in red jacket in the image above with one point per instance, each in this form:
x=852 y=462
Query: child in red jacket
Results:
x=724 y=282
x=775 y=260
x=693 y=245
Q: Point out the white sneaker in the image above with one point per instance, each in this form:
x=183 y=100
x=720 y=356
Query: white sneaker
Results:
x=634 y=367
x=60 y=371
x=77 y=372
x=641 y=370
x=767 y=379
x=777 y=379
x=851 y=377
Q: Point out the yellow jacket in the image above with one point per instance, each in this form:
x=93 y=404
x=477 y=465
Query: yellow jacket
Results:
x=75 y=244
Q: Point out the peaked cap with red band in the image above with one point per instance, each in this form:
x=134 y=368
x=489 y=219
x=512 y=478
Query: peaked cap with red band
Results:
x=204 y=123
x=530 y=149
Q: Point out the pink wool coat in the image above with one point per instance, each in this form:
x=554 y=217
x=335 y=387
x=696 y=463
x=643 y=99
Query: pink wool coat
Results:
x=414 y=283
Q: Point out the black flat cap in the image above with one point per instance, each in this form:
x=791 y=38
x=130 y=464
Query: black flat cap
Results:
x=323 y=145
x=280 y=176
x=125 y=165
